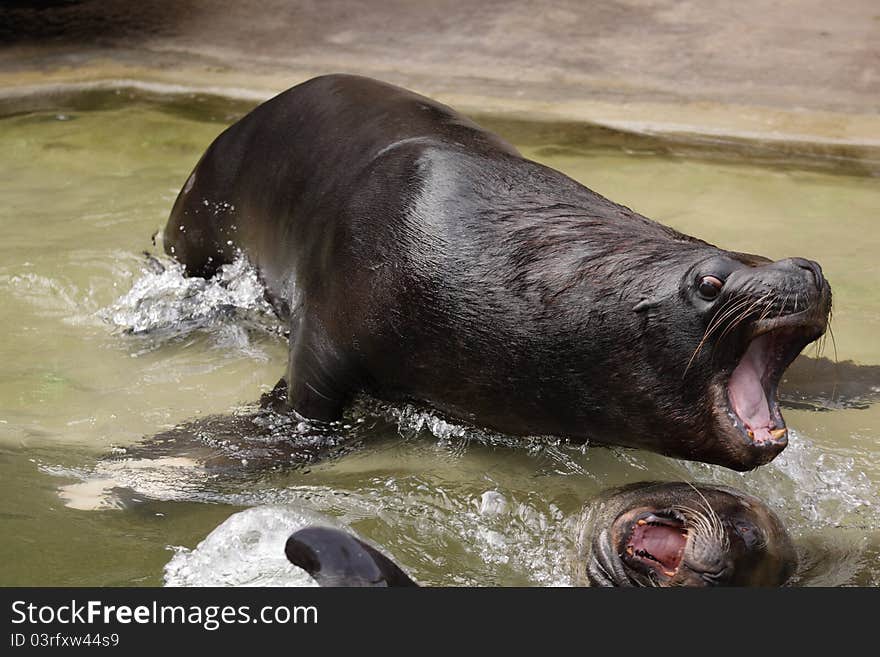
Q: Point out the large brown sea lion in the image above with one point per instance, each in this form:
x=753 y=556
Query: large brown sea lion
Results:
x=417 y=256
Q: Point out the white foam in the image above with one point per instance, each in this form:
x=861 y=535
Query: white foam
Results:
x=809 y=485
x=247 y=549
x=169 y=301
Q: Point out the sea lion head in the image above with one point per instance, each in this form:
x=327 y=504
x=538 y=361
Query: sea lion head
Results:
x=722 y=338
x=676 y=534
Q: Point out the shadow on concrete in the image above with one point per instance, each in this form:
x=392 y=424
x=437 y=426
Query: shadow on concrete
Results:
x=92 y=22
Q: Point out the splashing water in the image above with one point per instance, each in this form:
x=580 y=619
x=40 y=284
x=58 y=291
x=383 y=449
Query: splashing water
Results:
x=525 y=542
x=808 y=484
x=245 y=550
x=164 y=300
x=413 y=420
x=445 y=523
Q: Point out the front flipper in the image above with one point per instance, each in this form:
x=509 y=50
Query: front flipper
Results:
x=335 y=558
x=320 y=379
x=276 y=399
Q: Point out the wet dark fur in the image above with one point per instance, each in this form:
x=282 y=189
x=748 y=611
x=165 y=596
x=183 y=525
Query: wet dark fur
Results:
x=335 y=558
x=417 y=256
x=756 y=550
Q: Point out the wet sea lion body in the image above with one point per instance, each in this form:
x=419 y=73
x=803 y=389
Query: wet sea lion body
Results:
x=336 y=558
x=419 y=257
x=646 y=534
x=676 y=534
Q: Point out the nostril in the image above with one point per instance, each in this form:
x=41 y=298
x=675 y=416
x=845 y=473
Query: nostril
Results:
x=813 y=267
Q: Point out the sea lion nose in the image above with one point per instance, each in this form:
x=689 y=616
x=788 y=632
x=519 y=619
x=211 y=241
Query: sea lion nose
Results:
x=811 y=266
x=814 y=268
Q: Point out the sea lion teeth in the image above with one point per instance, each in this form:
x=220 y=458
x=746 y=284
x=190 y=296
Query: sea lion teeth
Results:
x=778 y=433
x=669 y=573
x=641 y=521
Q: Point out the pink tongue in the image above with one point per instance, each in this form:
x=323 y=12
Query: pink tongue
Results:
x=746 y=393
x=664 y=544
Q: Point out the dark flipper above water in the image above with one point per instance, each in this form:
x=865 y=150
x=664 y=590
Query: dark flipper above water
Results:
x=335 y=558
x=253 y=440
x=822 y=384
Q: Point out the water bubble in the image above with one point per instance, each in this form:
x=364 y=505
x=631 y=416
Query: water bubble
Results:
x=492 y=503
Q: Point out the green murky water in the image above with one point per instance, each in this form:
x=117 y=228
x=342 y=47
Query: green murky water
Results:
x=83 y=192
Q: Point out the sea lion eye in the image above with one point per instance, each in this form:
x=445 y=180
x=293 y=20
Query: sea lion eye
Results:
x=751 y=536
x=709 y=287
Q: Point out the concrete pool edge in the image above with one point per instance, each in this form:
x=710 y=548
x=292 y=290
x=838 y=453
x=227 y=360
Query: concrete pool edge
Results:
x=828 y=139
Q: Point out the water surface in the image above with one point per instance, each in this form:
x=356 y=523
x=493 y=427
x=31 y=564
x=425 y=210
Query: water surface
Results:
x=102 y=347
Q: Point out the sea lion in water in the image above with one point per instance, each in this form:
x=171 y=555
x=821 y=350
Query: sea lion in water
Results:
x=335 y=558
x=419 y=257
x=676 y=534
x=645 y=534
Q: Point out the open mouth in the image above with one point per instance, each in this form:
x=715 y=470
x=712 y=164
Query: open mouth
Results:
x=753 y=384
x=656 y=543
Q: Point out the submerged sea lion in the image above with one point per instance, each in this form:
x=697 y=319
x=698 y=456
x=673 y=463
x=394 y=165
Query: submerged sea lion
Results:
x=645 y=534
x=676 y=534
x=335 y=558
x=419 y=257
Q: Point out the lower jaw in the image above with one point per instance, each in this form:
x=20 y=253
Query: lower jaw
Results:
x=648 y=576
x=755 y=455
x=773 y=433
x=736 y=451
x=727 y=442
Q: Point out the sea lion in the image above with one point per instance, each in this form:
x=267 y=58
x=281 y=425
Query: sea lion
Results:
x=419 y=257
x=644 y=534
x=335 y=558
x=678 y=534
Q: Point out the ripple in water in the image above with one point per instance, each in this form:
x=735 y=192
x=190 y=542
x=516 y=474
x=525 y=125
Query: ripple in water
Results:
x=475 y=537
x=508 y=540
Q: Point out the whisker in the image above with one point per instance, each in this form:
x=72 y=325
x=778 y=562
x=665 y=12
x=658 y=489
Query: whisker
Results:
x=836 y=362
x=782 y=307
x=714 y=519
x=745 y=314
x=723 y=313
x=830 y=332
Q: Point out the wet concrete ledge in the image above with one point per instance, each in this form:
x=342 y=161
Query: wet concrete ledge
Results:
x=753 y=78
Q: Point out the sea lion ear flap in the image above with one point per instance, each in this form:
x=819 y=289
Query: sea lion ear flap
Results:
x=646 y=304
x=659 y=292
